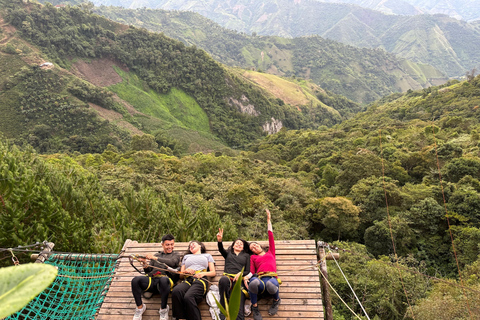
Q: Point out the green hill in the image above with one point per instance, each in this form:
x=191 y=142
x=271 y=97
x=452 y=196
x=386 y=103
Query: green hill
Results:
x=139 y=81
x=359 y=74
x=445 y=43
x=380 y=186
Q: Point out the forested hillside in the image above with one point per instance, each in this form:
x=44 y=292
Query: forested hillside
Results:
x=396 y=187
x=458 y=9
x=359 y=74
x=405 y=172
x=445 y=43
x=139 y=81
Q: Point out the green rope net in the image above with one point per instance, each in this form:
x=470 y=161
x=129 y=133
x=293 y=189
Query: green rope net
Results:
x=78 y=290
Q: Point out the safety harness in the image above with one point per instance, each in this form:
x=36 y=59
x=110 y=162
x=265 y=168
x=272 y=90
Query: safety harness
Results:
x=231 y=277
x=190 y=280
x=267 y=274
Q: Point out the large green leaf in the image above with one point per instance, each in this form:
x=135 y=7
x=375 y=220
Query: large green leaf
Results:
x=20 y=284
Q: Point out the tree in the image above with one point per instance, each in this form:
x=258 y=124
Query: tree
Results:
x=143 y=142
x=378 y=238
x=338 y=215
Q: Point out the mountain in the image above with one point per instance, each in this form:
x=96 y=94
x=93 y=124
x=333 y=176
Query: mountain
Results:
x=361 y=75
x=74 y=81
x=458 y=9
x=450 y=45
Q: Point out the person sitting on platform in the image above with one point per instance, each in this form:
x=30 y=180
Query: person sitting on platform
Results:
x=263 y=266
x=196 y=267
x=157 y=280
x=236 y=259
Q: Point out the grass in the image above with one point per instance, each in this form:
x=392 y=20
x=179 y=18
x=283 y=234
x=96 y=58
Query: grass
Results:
x=175 y=107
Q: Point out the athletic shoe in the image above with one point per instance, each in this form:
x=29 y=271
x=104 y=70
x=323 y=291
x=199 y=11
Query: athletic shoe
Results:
x=256 y=313
x=139 y=312
x=247 y=310
x=274 y=308
x=164 y=313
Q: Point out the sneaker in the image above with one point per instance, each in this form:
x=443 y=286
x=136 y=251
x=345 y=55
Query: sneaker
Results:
x=247 y=310
x=274 y=308
x=147 y=295
x=139 y=312
x=164 y=313
x=256 y=313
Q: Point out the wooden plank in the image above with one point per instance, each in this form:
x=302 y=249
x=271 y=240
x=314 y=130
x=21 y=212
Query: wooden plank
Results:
x=296 y=266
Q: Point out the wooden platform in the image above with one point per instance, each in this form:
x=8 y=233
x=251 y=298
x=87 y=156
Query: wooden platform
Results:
x=300 y=289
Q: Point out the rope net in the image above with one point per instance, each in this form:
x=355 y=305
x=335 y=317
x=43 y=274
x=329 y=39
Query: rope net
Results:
x=78 y=290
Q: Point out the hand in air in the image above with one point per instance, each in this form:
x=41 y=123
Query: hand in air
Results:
x=268 y=214
x=220 y=235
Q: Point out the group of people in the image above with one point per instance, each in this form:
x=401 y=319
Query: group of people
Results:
x=164 y=269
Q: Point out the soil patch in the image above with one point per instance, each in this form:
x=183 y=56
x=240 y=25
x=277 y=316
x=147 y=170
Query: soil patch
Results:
x=115 y=117
x=99 y=72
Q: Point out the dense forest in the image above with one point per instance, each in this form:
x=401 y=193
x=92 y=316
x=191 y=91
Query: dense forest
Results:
x=203 y=87
x=419 y=149
x=362 y=75
x=396 y=188
x=448 y=44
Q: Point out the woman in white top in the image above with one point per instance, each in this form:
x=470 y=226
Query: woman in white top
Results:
x=196 y=267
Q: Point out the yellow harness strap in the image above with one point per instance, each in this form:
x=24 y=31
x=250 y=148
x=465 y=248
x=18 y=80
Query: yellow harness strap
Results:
x=149 y=283
x=201 y=280
x=231 y=277
x=159 y=276
x=269 y=274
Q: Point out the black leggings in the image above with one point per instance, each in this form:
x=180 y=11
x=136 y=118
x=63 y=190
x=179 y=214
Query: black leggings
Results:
x=159 y=285
x=185 y=299
x=224 y=288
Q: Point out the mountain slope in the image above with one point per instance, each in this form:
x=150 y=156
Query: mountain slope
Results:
x=359 y=74
x=141 y=82
x=458 y=9
x=453 y=45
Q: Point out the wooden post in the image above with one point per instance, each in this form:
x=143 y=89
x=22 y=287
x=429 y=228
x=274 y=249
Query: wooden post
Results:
x=325 y=288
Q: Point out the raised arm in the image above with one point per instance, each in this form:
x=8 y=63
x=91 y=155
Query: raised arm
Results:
x=271 y=240
x=220 y=243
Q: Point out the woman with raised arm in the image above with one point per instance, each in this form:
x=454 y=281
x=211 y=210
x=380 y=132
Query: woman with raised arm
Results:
x=236 y=259
x=263 y=266
x=196 y=266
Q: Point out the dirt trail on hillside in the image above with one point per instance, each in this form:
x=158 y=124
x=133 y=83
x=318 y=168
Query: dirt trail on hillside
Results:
x=99 y=72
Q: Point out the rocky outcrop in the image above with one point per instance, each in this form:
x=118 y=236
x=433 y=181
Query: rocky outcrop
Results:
x=244 y=106
x=272 y=127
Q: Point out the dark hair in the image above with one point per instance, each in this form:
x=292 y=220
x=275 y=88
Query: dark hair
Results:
x=264 y=248
x=246 y=246
x=168 y=237
x=202 y=246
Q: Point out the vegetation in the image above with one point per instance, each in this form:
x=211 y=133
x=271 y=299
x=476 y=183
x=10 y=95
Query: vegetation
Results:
x=20 y=284
x=359 y=74
x=389 y=186
x=174 y=88
x=327 y=184
x=448 y=44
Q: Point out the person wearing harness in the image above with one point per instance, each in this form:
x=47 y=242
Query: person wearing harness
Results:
x=157 y=280
x=236 y=259
x=265 y=281
x=187 y=295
